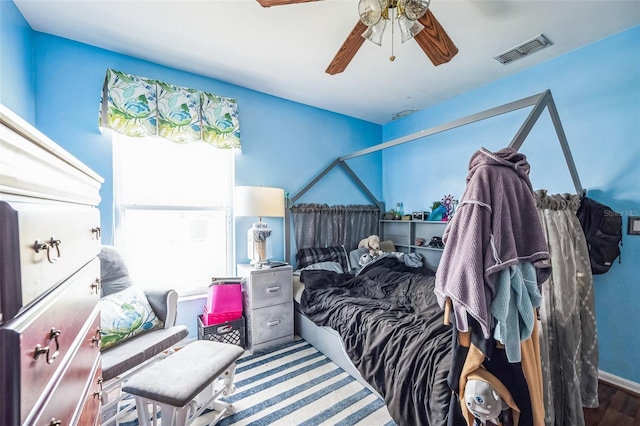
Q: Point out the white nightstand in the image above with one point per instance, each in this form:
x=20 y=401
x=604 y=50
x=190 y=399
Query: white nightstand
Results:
x=268 y=305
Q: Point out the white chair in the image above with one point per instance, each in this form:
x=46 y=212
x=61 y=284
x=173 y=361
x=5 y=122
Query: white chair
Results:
x=119 y=362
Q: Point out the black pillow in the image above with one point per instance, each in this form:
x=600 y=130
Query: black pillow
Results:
x=309 y=256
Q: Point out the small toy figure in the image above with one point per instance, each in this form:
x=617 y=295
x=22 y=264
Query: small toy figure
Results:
x=449 y=204
x=483 y=401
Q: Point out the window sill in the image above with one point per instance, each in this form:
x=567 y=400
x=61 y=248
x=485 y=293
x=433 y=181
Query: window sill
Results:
x=193 y=294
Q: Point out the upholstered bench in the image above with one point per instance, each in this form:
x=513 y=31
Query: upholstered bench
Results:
x=173 y=383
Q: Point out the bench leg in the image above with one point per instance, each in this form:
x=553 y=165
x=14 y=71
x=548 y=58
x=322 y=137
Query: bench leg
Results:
x=227 y=388
x=174 y=416
x=209 y=397
x=227 y=381
x=170 y=415
x=143 y=411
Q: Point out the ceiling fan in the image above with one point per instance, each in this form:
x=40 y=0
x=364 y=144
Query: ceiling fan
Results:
x=415 y=19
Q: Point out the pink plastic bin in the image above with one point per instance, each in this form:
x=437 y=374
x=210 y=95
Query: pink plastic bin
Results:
x=214 y=319
x=224 y=302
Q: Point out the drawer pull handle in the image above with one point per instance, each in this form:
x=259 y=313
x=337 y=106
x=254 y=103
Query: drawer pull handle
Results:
x=96 y=340
x=52 y=243
x=55 y=422
x=53 y=335
x=95 y=285
x=40 y=351
x=37 y=246
x=273 y=289
x=98 y=231
x=273 y=323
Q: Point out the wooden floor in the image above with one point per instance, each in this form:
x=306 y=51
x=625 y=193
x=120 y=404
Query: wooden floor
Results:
x=617 y=408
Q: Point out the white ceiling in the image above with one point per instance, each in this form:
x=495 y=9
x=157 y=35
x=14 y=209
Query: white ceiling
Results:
x=284 y=50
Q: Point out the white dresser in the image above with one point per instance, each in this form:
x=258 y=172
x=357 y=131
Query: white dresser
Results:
x=268 y=306
x=49 y=281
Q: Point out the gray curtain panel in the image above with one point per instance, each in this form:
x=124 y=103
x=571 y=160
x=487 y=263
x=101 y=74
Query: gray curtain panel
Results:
x=568 y=339
x=321 y=225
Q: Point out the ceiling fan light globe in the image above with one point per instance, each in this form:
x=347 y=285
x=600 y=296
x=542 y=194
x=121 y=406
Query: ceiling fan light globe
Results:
x=374 y=33
x=408 y=28
x=370 y=11
x=414 y=9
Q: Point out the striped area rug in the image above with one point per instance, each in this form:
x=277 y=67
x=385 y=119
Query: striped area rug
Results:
x=295 y=384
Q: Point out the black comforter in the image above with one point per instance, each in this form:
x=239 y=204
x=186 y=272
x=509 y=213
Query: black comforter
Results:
x=393 y=331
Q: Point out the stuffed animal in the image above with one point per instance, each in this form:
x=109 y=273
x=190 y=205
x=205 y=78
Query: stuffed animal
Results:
x=372 y=242
x=375 y=253
x=438 y=214
x=364 y=259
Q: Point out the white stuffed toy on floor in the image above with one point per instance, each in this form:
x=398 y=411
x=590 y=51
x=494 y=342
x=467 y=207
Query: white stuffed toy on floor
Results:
x=483 y=401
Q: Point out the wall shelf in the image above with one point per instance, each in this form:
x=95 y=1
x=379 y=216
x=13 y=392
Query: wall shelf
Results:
x=403 y=233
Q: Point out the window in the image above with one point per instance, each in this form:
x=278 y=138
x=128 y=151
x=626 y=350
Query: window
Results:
x=173 y=211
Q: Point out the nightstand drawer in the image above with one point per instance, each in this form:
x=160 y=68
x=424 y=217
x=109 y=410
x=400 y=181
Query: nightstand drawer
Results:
x=272 y=322
x=270 y=287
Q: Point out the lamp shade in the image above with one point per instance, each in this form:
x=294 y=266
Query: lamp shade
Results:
x=261 y=201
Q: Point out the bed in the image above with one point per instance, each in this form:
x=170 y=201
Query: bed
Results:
x=424 y=402
x=386 y=319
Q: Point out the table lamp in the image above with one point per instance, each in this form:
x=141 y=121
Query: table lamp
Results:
x=259 y=201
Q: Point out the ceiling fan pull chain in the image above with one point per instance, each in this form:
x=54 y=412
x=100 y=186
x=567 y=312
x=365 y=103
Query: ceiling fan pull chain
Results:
x=393 y=25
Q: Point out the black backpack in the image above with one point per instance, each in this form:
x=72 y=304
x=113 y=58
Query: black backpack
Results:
x=603 y=231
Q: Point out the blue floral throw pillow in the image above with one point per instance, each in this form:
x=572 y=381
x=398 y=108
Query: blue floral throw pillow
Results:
x=125 y=314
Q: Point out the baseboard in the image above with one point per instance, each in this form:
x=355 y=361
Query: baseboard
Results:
x=619 y=382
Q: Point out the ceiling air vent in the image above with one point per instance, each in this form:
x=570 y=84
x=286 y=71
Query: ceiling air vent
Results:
x=523 y=49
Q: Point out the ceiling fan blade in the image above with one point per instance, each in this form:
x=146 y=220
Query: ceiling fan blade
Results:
x=434 y=40
x=348 y=50
x=269 y=3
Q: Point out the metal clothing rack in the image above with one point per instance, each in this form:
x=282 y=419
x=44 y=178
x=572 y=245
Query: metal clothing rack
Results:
x=539 y=102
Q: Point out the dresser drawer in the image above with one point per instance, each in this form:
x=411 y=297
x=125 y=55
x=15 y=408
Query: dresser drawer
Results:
x=270 y=287
x=90 y=414
x=271 y=322
x=54 y=323
x=42 y=244
x=67 y=398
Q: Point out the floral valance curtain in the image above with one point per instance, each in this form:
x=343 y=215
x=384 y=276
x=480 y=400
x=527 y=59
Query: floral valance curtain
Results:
x=138 y=106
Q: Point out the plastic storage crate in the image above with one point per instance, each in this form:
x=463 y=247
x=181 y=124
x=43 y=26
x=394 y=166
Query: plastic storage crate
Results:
x=228 y=332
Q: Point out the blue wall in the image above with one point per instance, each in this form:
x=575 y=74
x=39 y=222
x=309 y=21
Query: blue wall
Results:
x=16 y=70
x=284 y=143
x=55 y=84
x=597 y=93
